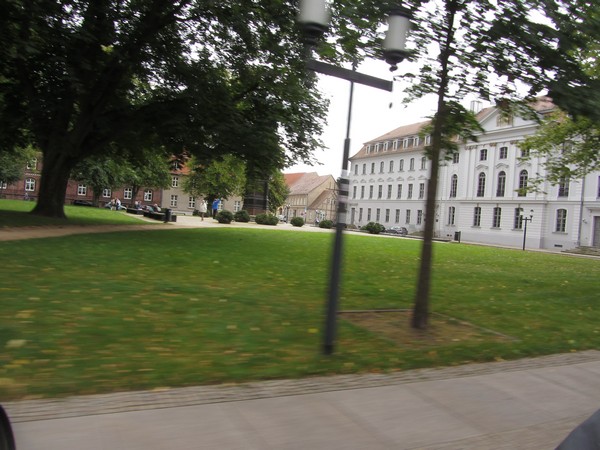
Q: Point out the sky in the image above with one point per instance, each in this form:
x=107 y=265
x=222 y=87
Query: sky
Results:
x=372 y=116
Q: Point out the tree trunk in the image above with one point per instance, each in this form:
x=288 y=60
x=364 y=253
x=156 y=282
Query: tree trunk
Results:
x=420 y=317
x=56 y=170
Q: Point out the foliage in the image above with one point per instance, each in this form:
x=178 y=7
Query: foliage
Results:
x=266 y=219
x=278 y=191
x=297 y=221
x=188 y=326
x=373 y=228
x=13 y=164
x=224 y=216
x=241 y=216
x=101 y=172
x=221 y=178
x=326 y=223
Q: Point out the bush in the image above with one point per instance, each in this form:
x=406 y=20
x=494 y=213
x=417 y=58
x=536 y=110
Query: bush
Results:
x=266 y=219
x=241 y=216
x=326 y=224
x=374 y=228
x=224 y=217
x=297 y=221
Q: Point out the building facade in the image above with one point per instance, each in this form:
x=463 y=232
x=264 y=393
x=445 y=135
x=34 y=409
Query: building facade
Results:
x=482 y=195
x=312 y=197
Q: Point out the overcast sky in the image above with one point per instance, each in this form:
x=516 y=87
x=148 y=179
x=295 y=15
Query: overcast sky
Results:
x=371 y=116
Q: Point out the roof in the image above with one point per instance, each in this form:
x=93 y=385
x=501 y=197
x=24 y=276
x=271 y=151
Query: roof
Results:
x=304 y=183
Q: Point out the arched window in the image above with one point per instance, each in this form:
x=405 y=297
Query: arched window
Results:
x=381 y=164
x=453 y=185
x=412 y=164
x=523 y=176
x=501 y=184
x=481 y=185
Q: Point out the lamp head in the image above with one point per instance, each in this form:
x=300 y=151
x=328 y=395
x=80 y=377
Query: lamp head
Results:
x=314 y=18
x=394 y=44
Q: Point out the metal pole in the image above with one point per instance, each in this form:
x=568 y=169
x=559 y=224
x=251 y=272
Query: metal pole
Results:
x=524 y=232
x=336 y=260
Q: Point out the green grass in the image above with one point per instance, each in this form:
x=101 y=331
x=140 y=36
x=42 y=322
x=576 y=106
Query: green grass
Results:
x=15 y=213
x=139 y=310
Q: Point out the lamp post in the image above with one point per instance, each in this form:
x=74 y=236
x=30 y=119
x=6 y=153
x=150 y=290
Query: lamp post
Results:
x=314 y=19
x=526 y=219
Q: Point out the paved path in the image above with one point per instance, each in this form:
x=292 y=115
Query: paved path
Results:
x=526 y=404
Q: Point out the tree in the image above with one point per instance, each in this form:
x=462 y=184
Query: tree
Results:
x=78 y=79
x=219 y=179
x=13 y=163
x=278 y=191
x=493 y=50
x=101 y=172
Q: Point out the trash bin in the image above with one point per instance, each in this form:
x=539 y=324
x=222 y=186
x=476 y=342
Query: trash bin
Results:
x=457 y=236
x=167 y=215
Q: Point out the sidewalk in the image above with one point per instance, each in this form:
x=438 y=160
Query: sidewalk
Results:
x=525 y=404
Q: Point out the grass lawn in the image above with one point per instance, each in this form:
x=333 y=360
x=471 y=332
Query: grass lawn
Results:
x=14 y=213
x=145 y=309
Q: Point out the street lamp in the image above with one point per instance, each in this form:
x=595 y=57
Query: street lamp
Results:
x=314 y=20
x=526 y=219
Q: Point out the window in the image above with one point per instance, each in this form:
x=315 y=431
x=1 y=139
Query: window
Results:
x=148 y=195
x=364 y=171
x=370 y=191
x=360 y=212
x=81 y=189
x=3 y=185
x=410 y=189
x=453 y=186
x=380 y=191
x=378 y=215
x=32 y=164
x=503 y=152
x=389 y=191
x=501 y=184
x=372 y=167
x=522 y=192
x=391 y=166
x=423 y=163
x=191 y=202
x=428 y=139
x=368 y=149
x=173 y=200
x=368 y=214
x=127 y=193
x=504 y=120
x=412 y=164
x=497 y=215
x=525 y=153
x=377 y=146
x=419 y=216
x=381 y=165
x=362 y=192
x=451 y=213
x=354 y=189
x=401 y=167
x=355 y=169
x=386 y=144
x=483 y=154
x=106 y=193
x=407 y=216
x=396 y=144
x=477 y=216
x=481 y=185
x=397 y=219
x=561 y=220
x=598 y=193
x=563 y=187
x=237 y=206
x=455 y=158
x=174 y=181
x=387 y=215
x=399 y=191
x=421 y=190
x=518 y=224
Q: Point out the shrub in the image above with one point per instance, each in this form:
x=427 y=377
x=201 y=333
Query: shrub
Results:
x=224 y=217
x=241 y=216
x=326 y=223
x=374 y=228
x=297 y=221
x=266 y=219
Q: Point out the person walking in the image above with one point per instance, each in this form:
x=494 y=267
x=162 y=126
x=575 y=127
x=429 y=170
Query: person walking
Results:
x=202 y=209
x=215 y=207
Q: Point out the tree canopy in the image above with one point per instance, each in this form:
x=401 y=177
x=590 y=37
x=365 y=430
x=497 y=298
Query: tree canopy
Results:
x=215 y=78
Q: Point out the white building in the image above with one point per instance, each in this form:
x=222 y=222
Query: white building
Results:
x=480 y=190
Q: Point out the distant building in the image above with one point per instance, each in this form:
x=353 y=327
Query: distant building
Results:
x=312 y=197
x=481 y=188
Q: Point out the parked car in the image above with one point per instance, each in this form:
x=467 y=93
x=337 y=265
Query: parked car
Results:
x=401 y=231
